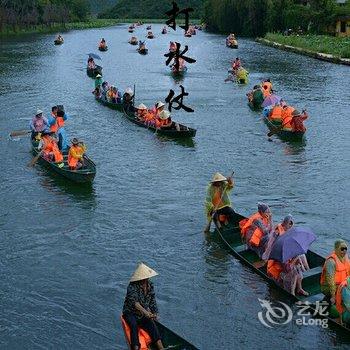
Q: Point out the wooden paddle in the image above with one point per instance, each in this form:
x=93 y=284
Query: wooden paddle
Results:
x=207 y=228
x=19 y=133
x=35 y=159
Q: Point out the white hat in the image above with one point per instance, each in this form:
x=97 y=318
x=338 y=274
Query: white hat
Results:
x=142 y=272
x=218 y=178
x=129 y=91
x=160 y=104
x=141 y=106
x=39 y=111
x=98 y=76
x=164 y=115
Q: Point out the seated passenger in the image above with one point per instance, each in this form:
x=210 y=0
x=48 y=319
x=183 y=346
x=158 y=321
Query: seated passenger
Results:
x=256 y=229
x=287 y=118
x=76 y=154
x=48 y=146
x=164 y=120
x=297 y=121
x=141 y=111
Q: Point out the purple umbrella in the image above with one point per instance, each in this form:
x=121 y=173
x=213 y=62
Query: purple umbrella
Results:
x=271 y=100
x=294 y=242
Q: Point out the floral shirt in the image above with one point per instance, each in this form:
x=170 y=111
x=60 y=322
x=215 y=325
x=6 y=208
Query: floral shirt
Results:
x=135 y=294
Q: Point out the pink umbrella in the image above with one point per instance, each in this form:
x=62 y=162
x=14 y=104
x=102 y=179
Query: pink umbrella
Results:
x=271 y=100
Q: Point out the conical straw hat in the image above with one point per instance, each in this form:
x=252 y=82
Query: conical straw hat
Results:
x=218 y=177
x=142 y=272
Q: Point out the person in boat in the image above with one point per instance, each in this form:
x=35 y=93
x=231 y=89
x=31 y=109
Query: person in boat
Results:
x=163 y=121
x=292 y=275
x=242 y=75
x=49 y=148
x=236 y=64
x=335 y=270
x=112 y=94
x=157 y=109
x=140 y=307
x=286 y=224
x=56 y=122
x=164 y=30
x=217 y=201
x=102 y=44
x=149 y=34
x=256 y=229
x=172 y=46
x=128 y=99
x=142 y=46
x=97 y=92
x=266 y=87
x=105 y=88
x=298 y=121
x=98 y=80
x=342 y=301
x=141 y=112
x=275 y=113
x=91 y=63
x=256 y=97
x=76 y=154
x=133 y=39
x=38 y=124
x=59 y=38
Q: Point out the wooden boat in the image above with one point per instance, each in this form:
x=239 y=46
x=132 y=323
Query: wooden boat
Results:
x=115 y=106
x=168 y=132
x=232 y=45
x=85 y=175
x=142 y=51
x=103 y=48
x=58 y=42
x=231 y=238
x=149 y=36
x=93 y=72
x=133 y=42
x=284 y=134
x=170 y=339
x=130 y=30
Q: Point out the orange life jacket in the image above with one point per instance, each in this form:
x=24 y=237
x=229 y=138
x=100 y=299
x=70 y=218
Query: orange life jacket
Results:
x=246 y=224
x=338 y=298
x=144 y=338
x=276 y=113
x=50 y=146
x=287 y=117
x=74 y=158
x=274 y=269
x=280 y=230
x=342 y=269
x=59 y=123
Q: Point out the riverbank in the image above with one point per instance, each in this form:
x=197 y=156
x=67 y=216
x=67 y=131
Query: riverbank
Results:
x=60 y=27
x=326 y=48
x=94 y=23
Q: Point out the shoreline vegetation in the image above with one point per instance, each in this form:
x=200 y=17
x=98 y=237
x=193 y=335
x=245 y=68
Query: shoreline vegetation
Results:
x=323 y=47
x=90 y=24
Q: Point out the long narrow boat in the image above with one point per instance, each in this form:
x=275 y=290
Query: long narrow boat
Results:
x=93 y=72
x=58 y=42
x=142 y=51
x=231 y=237
x=184 y=131
x=170 y=339
x=116 y=106
x=284 y=134
x=84 y=175
x=103 y=48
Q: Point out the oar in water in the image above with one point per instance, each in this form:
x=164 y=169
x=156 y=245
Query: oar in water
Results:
x=19 y=133
x=35 y=159
x=207 y=228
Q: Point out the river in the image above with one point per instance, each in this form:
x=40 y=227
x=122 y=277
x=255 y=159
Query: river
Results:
x=67 y=253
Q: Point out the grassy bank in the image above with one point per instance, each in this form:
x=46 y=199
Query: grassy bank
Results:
x=93 y=23
x=60 y=27
x=339 y=47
